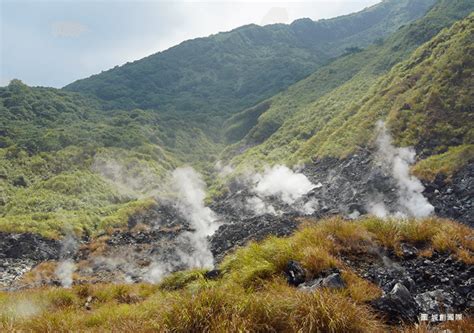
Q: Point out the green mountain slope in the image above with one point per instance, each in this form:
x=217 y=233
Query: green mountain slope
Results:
x=372 y=62
x=214 y=77
x=333 y=112
x=64 y=161
x=70 y=158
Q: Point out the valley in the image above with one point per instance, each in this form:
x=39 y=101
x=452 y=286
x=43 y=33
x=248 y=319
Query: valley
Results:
x=316 y=176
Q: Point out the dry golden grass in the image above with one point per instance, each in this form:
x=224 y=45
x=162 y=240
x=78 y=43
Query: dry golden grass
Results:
x=97 y=246
x=229 y=308
x=45 y=271
x=431 y=233
x=465 y=325
x=251 y=295
x=461 y=326
x=358 y=289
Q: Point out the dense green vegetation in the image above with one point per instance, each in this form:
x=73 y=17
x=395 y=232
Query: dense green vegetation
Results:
x=89 y=159
x=209 y=79
x=46 y=120
x=63 y=160
x=445 y=164
x=251 y=294
x=366 y=65
x=425 y=99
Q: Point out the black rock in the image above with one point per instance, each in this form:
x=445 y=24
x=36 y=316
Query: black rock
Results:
x=409 y=251
x=398 y=305
x=408 y=282
x=434 y=302
x=212 y=274
x=452 y=199
x=295 y=274
x=333 y=281
x=241 y=231
x=28 y=246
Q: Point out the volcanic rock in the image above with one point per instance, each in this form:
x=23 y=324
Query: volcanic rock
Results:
x=453 y=198
x=295 y=273
x=399 y=305
x=212 y=274
x=332 y=281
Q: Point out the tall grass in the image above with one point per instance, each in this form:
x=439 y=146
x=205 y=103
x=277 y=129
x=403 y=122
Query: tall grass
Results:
x=251 y=294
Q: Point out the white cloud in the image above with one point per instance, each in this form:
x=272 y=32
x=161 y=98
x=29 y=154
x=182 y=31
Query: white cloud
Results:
x=127 y=30
x=68 y=29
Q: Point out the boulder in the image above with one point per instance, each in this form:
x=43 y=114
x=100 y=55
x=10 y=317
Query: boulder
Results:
x=399 y=305
x=212 y=274
x=295 y=274
x=332 y=281
x=408 y=251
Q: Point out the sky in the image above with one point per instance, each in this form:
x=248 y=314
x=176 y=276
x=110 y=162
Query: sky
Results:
x=53 y=43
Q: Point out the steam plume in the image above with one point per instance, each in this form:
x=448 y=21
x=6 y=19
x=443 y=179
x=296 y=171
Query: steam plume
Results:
x=193 y=248
x=64 y=272
x=132 y=178
x=259 y=207
x=191 y=192
x=66 y=266
x=282 y=182
x=410 y=190
x=20 y=309
x=223 y=170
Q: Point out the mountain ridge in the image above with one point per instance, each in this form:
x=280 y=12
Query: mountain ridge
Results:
x=275 y=73
x=55 y=137
x=299 y=125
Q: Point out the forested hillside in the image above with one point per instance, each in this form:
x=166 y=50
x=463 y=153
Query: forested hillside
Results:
x=65 y=160
x=70 y=156
x=85 y=154
x=427 y=100
x=212 y=78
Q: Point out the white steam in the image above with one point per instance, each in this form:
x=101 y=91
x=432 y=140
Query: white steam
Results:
x=191 y=192
x=20 y=309
x=66 y=266
x=223 y=170
x=410 y=190
x=378 y=209
x=309 y=207
x=64 y=272
x=282 y=182
x=157 y=271
x=118 y=263
x=259 y=207
x=193 y=250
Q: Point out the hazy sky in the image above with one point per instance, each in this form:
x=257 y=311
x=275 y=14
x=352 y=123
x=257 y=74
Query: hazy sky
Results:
x=52 y=43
